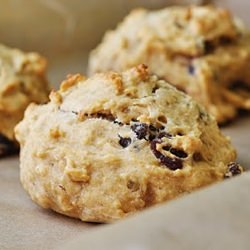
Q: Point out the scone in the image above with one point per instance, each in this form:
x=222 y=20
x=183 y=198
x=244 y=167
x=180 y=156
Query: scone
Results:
x=22 y=81
x=203 y=51
x=108 y=146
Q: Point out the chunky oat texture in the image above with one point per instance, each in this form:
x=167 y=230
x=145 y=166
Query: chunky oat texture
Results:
x=108 y=146
x=203 y=51
x=22 y=81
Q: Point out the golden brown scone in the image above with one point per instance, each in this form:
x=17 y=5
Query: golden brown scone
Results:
x=22 y=81
x=108 y=146
x=203 y=51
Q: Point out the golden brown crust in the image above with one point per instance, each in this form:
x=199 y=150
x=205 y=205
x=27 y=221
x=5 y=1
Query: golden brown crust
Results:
x=70 y=81
x=102 y=154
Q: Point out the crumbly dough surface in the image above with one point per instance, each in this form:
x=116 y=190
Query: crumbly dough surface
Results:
x=203 y=51
x=22 y=81
x=108 y=146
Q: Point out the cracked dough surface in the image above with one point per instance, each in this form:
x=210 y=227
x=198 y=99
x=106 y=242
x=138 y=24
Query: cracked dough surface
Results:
x=116 y=143
x=22 y=81
x=203 y=51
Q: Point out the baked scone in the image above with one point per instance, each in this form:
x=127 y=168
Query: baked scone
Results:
x=202 y=50
x=22 y=81
x=108 y=146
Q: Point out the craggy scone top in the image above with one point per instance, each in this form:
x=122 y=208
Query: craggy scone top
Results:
x=22 y=81
x=115 y=143
x=202 y=50
x=178 y=30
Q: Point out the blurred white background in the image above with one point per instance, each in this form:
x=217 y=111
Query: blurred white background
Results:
x=52 y=26
x=65 y=30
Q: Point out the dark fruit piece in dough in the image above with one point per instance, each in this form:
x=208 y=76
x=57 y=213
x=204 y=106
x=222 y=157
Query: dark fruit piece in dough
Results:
x=7 y=147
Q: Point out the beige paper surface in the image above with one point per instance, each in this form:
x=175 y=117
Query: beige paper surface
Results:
x=25 y=226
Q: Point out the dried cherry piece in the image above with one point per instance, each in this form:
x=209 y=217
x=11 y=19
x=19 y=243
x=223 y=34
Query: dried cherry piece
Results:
x=7 y=147
x=191 y=69
x=124 y=141
x=178 y=152
x=140 y=129
x=233 y=169
x=152 y=128
x=208 y=46
x=154 y=89
x=117 y=122
x=151 y=137
x=164 y=134
x=167 y=147
x=171 y=163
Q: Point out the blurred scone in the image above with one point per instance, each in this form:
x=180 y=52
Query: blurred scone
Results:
x=22 y=81
x=203 y=51
x=113 y=144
